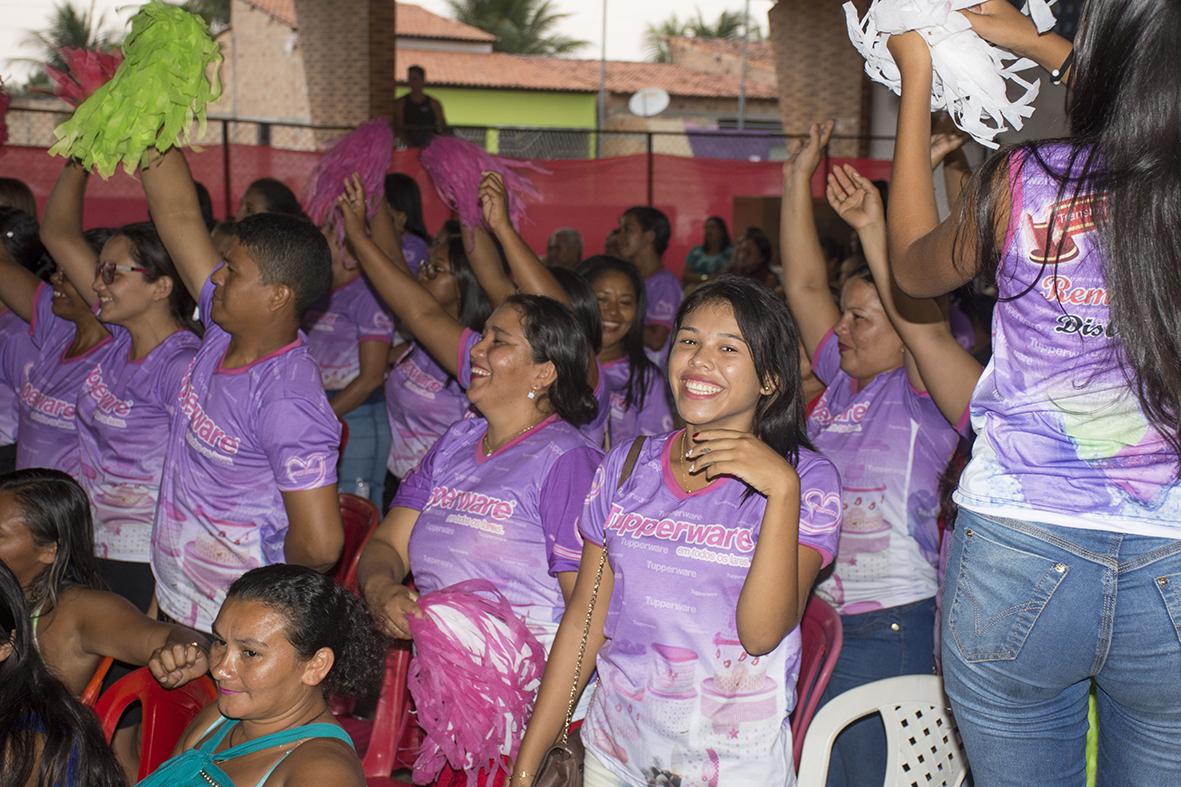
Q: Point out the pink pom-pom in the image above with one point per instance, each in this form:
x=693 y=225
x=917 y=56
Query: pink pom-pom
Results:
x=366 y=151
x=456 y=166
x=86 y=71
x=474 y=678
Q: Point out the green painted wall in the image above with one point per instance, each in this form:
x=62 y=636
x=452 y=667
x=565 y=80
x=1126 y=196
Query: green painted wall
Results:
x=536 y=109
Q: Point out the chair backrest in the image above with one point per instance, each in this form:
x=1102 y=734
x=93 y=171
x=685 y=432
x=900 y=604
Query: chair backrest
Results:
x=166 y=712
x=360 y=518
x=922 y=743
x=392 y=715
x=823 y=637
x=94 y=687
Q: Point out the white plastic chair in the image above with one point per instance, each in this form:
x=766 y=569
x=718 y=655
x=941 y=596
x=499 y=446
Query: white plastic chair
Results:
x=922 y=744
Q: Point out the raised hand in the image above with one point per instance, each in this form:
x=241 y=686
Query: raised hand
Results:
x=910 y=51
x=717 y=452
x=855 y=198
x=394 y=608
x=805 y=155
x=175 y=664
x=494 y=201
x=999 y=22
x=352 y=206
x=943 y=144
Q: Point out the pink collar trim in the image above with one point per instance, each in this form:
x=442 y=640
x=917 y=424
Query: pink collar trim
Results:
x=670 y=480
x=537 y=427
x=223 y=369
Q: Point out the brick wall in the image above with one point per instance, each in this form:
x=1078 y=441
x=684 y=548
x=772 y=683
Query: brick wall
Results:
x=820 y=74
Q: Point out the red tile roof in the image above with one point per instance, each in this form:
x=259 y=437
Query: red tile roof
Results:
x=413 y=21
x=534 y=72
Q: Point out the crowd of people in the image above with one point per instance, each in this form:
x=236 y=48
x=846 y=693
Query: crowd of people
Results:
x=657 y=473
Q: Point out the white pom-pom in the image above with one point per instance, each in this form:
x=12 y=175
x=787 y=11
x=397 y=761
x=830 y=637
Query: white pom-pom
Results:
x=971 y=76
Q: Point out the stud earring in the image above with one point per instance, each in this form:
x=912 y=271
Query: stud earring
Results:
x=532 y=394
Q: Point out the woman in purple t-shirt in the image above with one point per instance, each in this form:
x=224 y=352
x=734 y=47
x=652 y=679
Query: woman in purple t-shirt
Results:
x=712 y=544
x=897 y=393
x=126 y=400
x=639 y=402
x=1065 y=563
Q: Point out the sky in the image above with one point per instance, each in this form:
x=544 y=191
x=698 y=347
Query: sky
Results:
x=626 y=20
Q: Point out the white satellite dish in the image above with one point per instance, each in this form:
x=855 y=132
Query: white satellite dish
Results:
x=648 y=102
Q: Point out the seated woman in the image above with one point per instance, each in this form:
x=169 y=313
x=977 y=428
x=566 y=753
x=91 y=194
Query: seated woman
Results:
x=46 y=736
x=285 y=636
x=712 y=256
x=47 y=541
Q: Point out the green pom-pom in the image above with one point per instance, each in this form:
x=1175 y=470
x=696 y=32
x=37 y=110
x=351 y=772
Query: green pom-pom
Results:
x=151 y=102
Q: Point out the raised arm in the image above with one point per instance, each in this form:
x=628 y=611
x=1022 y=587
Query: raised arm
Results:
x=528 y=271
x=432 y=326
x=805 y=275
x=61 y=230
x=172 y=200
x=999 y=22
x=935 y=362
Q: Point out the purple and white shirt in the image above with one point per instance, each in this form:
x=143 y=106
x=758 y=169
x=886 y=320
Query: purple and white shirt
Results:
x=656 y=417
x=336 y=327
x=422 y=401
x=15 y=348
x=49 y=385
x=596 y=429
x=664 y=294
x=1061 y=437
x=415 y=251
x=124 y=410
x=678 y=696
x=890 y=444
x=240 y=437
x=510 y=518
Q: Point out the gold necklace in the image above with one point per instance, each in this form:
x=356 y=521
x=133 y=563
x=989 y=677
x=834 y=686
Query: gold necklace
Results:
x=489 y=451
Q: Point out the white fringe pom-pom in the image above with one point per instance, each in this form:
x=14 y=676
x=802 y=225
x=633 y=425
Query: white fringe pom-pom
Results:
x=972 y=76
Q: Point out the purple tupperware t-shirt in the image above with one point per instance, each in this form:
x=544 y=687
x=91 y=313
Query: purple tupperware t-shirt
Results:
x=678 y=695
x=239 y=439
x=596 y=430
x=124 y=410
x=510 y=518
x=664 y=294
x=49 y=387
x=415 y=251
x=1061 y=437
x=890 y=444
x=422 y=401
x=15 y=348
x=626 y=423
x=336 y=327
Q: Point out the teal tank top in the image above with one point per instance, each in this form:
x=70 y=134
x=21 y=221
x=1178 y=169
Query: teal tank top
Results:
x=198 y=767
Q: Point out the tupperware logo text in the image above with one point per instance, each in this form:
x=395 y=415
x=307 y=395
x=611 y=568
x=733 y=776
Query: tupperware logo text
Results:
x=718 y=536
x=449 y=499
x=201 y=425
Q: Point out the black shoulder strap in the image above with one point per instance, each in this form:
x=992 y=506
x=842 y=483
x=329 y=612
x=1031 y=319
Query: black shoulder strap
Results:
x=629 y=464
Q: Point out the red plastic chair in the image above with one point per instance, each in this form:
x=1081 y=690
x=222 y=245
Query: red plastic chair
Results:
x=93 y=688
x=166 y=712
x=360 y=518
x=392 y=719
x=822 y=637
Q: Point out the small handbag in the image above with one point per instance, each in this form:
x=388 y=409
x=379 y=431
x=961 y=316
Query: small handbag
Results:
x=562 y=764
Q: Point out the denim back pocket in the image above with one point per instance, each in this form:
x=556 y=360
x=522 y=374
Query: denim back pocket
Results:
x=1170 y=591
x=999 y=594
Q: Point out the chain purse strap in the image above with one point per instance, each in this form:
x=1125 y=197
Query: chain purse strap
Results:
x=628 y=465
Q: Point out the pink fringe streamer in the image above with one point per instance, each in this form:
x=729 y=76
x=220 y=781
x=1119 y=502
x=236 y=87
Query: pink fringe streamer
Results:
x=465 y=700
x=86 y=71
x=367 y=151
x=456 y=166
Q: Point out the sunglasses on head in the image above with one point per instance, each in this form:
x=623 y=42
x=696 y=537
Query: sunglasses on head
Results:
x=107 y=270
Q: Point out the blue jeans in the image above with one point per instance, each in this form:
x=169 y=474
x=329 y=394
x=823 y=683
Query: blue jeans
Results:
x=882 y=644
x=1032 y=614
x=367 y=451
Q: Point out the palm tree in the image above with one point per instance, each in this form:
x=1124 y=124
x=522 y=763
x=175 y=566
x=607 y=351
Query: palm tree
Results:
x=728 y=26
x=68 y=27
x=216 y=13
x=523 y=27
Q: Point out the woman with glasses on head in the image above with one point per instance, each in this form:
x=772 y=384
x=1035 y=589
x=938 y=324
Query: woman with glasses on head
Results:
x=125 y=398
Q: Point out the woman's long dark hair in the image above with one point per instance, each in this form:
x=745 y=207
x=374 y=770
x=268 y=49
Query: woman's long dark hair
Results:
x=768 y=328
x=278 y=197
x=19 y=234
x=554 y=335
x=148 y=252
x=1124 y=106
x=45 y=733
x=404 y=196
x=474 y=307
x=641 y=370
x=56 y=511
x=725 y=233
